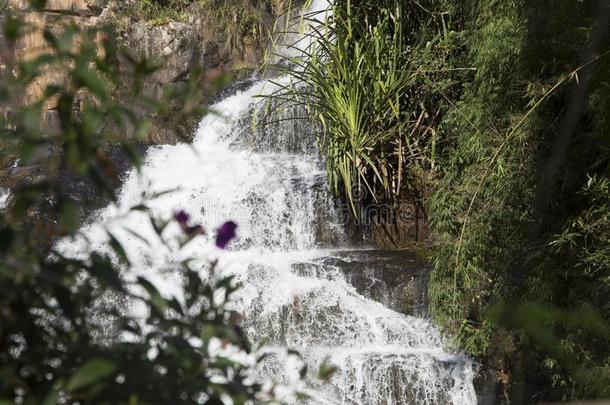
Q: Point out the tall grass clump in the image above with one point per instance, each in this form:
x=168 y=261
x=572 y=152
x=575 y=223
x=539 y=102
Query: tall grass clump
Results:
x=362 y=78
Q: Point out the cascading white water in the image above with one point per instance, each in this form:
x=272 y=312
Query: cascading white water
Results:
x=273 y=186
x=4 y=197
x=278 y=199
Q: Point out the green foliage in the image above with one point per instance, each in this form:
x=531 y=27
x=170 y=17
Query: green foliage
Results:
x=375 y=68
x=587 y=236
x=240 y=22
x=65 y=333
x=544 y=271
x=475 y=95
x=463 y=280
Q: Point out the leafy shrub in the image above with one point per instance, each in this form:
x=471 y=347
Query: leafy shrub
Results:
x=161 y=12
x=513 y=291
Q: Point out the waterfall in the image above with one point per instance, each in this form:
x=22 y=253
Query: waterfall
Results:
x=288 y=224
x=271 y=181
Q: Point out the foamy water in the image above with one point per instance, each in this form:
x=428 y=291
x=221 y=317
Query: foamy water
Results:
x=4 y=197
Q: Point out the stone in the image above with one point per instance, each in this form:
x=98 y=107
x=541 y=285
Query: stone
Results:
x=397 y=279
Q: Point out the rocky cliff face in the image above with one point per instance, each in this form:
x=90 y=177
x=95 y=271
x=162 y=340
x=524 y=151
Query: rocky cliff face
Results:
x=55 y=15
x=31 y=44
x=175 y=46
x=224 y=42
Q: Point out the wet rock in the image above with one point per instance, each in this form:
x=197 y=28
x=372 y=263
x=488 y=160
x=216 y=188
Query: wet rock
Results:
x=397 y=279
x=487 y=386
x=177 y=47
x=274 y=127
x=80 y=190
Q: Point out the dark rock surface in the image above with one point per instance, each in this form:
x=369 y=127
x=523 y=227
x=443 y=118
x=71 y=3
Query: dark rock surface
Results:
x=487 y=386
x=82 y=191
x=397 y=279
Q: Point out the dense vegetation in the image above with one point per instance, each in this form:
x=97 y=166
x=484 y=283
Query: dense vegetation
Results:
x=502 y=109
x=522 y=212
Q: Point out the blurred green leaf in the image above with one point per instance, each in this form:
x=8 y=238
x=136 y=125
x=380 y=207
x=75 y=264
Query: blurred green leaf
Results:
x=156 y=299
x=52 y=398
x=91 y=372
x=102 y=268
x=26 y=197
x=92 y=81
x=118 y=248
x=65 y=42
x=301 y=396
x=12 y=25
x=38 y=5
x=303 y=372
x=326 y=370
x=142 y=129
x=69 y=216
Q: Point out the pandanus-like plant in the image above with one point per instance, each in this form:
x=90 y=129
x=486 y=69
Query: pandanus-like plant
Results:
x=356 y=79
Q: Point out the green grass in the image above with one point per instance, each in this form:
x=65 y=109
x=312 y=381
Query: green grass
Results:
x=159 y=12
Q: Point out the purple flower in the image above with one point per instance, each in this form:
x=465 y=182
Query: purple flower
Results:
x=191 y=230
x=181 y=217
x=225 y=234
